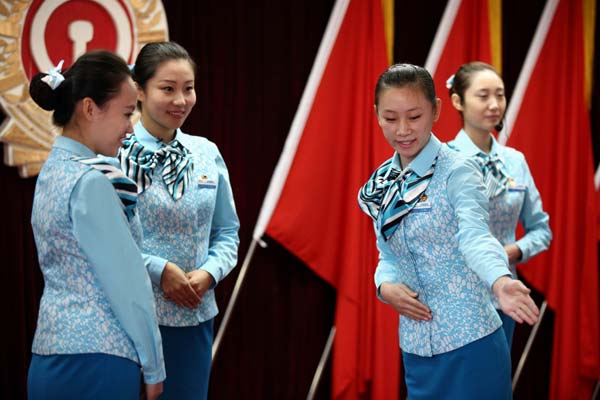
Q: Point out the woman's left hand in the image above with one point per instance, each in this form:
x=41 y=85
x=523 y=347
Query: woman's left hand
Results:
x=515 y=301
x=200 y=280
x=513 y=252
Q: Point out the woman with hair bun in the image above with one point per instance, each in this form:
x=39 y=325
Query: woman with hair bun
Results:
x=477 y=93
x=97 y=327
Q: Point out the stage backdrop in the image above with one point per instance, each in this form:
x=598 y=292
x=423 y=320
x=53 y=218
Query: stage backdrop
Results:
x=254 y=59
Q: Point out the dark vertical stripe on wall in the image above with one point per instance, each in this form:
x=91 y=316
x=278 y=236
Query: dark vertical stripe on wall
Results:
x=519 y=22
x=416 y=23
x=254 y=59
x=22 y=281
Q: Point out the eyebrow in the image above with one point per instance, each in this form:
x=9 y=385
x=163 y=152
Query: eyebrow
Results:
x=409 y=110
x=490 y=90
x=174 y=81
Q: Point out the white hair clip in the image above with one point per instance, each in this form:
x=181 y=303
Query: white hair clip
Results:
x=131 y=67
x=450 y=82
x=54 y=77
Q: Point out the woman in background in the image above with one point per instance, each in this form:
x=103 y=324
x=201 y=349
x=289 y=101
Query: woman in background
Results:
x=477 y=93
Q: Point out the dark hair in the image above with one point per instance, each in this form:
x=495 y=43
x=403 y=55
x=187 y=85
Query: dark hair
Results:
x=96 y=74
x=400 y=75
x=463 y=78
x=152 y=55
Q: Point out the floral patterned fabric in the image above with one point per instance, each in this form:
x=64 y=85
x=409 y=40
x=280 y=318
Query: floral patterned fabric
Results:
x=200 y=230
x=443 y=250
x=75 y=315
x=521 y=202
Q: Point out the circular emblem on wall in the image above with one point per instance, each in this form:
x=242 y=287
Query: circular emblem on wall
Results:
x=35 y=35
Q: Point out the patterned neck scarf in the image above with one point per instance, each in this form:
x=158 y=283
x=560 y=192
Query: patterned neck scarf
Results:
x=139 y=163
x=389 y=195
x=495 y=177
x=126 y=188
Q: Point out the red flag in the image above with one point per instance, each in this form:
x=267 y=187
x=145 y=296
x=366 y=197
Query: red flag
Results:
x=548 y=120
x=333 y=146
x=470 y=30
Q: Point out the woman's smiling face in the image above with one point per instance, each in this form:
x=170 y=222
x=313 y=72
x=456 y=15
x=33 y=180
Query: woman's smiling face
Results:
x=406 y=117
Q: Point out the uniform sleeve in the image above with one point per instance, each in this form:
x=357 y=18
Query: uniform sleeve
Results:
x=224 y=240
x=155 y=266
x=101 y=228
x=482 y=252
x=387 y=268
x=535 y=221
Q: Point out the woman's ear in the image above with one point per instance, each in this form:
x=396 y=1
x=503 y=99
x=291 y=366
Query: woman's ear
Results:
x=437 y=110
x=140 y=92
x=377 y=114
x=456 y=102
x=89 y=108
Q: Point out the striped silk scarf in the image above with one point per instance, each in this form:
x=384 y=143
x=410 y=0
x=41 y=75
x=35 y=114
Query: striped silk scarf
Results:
x=495 y=177
x=389 y=195
x=126 y=188
x=139 y=163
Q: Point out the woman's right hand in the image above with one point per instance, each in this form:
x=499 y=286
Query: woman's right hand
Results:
x=515 y=301
x=405 y=301
x=153 y=390
x=177 y=287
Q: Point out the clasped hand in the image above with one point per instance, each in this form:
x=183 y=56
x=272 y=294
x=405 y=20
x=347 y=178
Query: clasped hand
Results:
x=185 y=289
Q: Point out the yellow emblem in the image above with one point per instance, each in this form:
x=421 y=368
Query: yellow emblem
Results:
x=30 y=32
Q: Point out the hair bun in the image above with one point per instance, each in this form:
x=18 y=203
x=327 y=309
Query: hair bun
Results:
x=42 y=93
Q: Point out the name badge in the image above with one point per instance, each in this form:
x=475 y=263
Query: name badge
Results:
x=521 y=188
x=205 y=183
x=513 y=187
x=423 y=205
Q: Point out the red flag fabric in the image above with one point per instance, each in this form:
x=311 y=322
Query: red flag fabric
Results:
x=330 y=152
x=548 y=120
x=469 y=31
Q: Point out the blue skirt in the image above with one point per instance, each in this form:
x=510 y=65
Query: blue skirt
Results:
x=478 y=370
x=508 y=325
x=187 y=351
x=83 y=376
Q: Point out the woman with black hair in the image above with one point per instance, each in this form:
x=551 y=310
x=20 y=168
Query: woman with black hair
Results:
x=477 y=93
x=438 y=261
x=187 y=211
x=97 y=320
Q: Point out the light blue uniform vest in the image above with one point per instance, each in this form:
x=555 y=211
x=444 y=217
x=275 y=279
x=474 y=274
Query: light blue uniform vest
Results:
x=431 y=263
x=75 y=316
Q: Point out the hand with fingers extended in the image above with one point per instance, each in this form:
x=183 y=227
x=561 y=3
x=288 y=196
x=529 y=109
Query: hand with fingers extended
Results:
x=515 y=301
x=405 y=301
x=200 y=280
x=177 y=287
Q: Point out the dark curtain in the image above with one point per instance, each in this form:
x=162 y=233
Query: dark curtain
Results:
x=253 y=61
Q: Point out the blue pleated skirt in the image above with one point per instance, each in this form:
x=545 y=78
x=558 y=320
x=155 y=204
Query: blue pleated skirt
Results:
x=187 y=351
x=478 y=370
x=83 y=376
